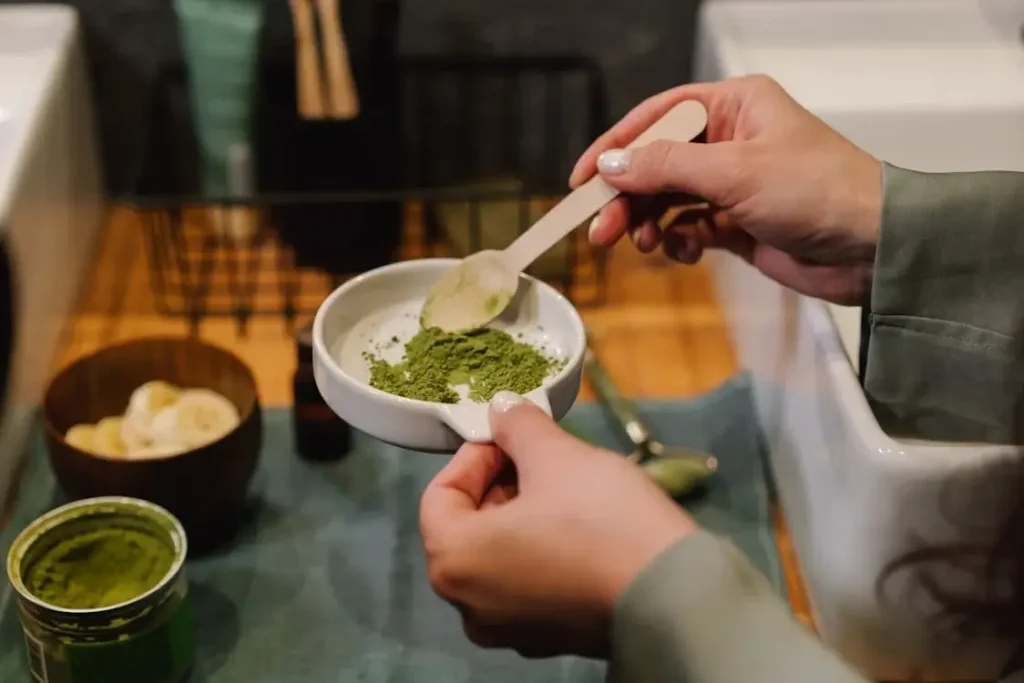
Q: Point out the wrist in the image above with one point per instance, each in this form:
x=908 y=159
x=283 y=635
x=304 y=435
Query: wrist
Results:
x=642 y=550
x=865 y=205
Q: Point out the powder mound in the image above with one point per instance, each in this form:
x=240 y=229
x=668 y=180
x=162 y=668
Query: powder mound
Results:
x=486 y=360
x=99 y=568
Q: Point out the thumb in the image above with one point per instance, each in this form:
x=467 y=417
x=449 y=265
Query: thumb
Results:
x=714 y=172
x=461 y=485
x=524 y=432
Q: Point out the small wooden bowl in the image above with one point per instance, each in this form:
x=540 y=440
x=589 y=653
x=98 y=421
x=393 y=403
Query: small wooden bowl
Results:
x=205 y=488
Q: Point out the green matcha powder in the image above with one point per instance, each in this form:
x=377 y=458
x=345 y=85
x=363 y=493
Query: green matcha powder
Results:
x=99 y=568
x=486 y=360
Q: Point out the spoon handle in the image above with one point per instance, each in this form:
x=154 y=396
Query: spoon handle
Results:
x=682 y=123
x=309 y=82
x=342 y=95
x=623 y=409
x=566 y=216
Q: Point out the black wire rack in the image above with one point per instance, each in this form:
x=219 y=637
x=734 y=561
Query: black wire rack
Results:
x=486 y=145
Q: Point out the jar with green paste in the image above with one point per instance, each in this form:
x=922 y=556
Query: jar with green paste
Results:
x=102 y=593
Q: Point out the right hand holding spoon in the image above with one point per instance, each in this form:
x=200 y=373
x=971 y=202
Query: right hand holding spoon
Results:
x=784 y=190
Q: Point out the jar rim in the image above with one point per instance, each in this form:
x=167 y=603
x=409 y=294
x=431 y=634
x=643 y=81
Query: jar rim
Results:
x=126 y=506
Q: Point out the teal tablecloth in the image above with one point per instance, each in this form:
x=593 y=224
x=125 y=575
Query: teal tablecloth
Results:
x=328 y=582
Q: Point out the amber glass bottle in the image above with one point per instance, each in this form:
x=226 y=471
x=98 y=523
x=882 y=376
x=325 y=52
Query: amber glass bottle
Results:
x=320 y=435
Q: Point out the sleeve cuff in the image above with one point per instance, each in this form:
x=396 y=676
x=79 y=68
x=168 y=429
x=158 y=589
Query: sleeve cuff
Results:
x=944 y=361
x=949 y=242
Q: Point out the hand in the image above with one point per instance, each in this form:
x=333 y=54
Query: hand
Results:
x=782 y=189
x=538 y=565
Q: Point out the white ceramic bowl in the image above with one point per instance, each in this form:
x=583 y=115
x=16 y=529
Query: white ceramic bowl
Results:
x=369 y=311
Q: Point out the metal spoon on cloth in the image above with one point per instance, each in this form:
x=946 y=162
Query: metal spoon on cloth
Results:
x=480 y=287
x=676 y=469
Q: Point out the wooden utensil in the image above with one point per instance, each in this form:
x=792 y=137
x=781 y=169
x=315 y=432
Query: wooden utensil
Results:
x=342 y=95
x=511 y=210
x=291 y=148
x=477 y=290
x=310 y=84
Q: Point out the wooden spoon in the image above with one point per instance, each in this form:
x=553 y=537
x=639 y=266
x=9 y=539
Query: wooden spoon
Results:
x=309 y=82
x=342 y=96
x=480 y=287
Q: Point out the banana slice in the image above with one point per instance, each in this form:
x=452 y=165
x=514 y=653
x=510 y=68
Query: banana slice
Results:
x=81 y=437
x=199 y=417
x=156 y=451
x=143 y=405
x=107 y=438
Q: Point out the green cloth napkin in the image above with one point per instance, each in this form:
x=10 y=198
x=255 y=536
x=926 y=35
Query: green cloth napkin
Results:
x=329 y=583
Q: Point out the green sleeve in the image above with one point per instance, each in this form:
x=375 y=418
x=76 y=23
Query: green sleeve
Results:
x=945 y=358
x=944 y=361
x=702 y=613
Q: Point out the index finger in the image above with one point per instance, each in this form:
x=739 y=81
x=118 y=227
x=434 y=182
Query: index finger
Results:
x=460 y=487
x=639 y=119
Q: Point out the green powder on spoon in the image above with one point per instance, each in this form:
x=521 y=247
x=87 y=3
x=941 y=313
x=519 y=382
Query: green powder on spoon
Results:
x=486 y=360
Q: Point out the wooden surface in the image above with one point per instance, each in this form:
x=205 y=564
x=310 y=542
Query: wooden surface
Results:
x=660 y=332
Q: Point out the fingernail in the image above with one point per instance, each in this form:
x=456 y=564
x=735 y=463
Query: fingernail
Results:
x=504 y=401
x=594 y=225
x=614 y=161
x=635 y=235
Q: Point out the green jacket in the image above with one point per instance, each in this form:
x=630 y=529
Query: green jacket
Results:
x=944 y=356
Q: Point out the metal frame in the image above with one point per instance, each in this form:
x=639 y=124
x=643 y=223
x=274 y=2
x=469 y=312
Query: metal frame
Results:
x=198 y=271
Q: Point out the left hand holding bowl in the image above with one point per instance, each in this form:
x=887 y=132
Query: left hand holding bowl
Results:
x=538 y=566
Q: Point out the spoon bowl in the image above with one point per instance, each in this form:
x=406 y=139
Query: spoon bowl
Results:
x=656 y=449
x=472 y=294
x=679 y=471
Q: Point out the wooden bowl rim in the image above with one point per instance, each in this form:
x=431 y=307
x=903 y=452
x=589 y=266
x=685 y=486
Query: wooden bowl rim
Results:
x=244 y=415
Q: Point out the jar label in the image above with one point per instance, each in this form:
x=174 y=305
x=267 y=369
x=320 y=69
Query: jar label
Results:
x=163 y=654
x=36 y=659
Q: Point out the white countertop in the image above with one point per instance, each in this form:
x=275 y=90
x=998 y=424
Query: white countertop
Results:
x=34 y=40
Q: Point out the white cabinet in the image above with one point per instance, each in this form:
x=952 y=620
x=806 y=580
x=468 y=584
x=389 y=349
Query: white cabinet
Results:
x=927 y=84
x=51 y=198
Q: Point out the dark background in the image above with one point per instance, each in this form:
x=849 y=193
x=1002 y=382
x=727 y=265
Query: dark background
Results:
x=141 y=84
